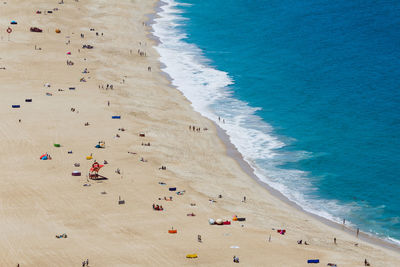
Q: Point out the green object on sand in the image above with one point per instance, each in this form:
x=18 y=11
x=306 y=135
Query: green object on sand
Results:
x=57 y=145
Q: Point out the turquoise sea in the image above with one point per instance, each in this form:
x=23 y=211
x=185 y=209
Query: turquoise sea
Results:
x=310 y=95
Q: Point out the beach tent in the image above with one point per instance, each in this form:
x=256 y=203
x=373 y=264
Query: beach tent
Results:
x=13 y=22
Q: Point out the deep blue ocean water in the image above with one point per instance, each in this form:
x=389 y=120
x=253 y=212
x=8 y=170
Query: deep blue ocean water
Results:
x=309 y=91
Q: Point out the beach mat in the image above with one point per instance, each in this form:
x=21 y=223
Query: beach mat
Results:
x=313 y=261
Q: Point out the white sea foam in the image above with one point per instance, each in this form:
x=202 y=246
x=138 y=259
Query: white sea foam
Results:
x=208 y=90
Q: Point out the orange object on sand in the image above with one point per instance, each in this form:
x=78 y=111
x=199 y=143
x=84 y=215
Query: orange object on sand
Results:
x=174 y=231
x=96 y=167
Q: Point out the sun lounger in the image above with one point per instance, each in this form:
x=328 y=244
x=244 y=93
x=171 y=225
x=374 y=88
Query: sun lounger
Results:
x=313 y=261
x=15 y=106
x=191 y=256
x=116 y=117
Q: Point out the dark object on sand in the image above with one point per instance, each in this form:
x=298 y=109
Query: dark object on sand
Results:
x=88 y=46
x=28 y=100
x=35 y=29
x=15 y=106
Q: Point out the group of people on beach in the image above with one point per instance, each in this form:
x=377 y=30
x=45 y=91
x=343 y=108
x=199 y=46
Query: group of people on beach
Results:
x=108 y=86
x=194 y=128
x=158 y=207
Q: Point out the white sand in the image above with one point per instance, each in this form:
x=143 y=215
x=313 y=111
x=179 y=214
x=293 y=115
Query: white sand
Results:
x=40 y=199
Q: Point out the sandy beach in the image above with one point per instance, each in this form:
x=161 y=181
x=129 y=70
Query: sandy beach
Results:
x=110 y=221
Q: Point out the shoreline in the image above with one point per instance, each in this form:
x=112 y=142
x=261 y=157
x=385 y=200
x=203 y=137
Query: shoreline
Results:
x=237 y=156
x=232 y=151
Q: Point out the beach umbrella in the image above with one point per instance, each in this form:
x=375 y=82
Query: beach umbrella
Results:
x=13 y=22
